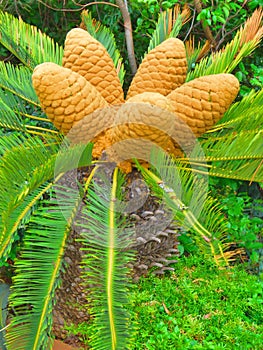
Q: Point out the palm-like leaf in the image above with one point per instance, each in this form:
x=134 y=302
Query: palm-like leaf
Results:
x=18 y=81
x=105 y=237
x=106 y=38
x=187 y=196
x=168 y=26
x=37 y=271
x=40 y=165
x=244 y=43
x=9 y=119
x=233 y=148
x=244 y=115
x=195 y=53
x=20 y=108
x=28 y=43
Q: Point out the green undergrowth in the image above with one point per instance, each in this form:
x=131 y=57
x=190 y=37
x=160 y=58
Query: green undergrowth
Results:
x=199 y=307
x=196 y=307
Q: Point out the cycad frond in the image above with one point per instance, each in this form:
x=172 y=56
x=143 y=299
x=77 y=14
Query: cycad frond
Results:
x=106 y=38
x=7 y=142
x=105 y=237
x=27 y=42
x=243 y=168
x=15 y=116
x=187 y=196
x=18 y=81
x=40 y=165
x=234 y=156
x=244 y=43
x=169 y=24
x=20 y=108
x=253 y=30
x=9 y=119
x=233 y=148
x=243 y=115
x=37 y=271
x=195 y=54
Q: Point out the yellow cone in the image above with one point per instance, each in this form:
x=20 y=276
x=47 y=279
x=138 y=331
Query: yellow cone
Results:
x=162 y=70
x=88 y=57
x=65 y=96
x=201 y=102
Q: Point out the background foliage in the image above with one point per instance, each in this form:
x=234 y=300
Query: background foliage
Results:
x=57 y=17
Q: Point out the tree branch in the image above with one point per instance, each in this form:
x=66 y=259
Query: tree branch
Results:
x=82 y=7
x=206 y=28
x=128 y=34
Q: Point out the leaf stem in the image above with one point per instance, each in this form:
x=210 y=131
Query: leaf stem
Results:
x=111 y=258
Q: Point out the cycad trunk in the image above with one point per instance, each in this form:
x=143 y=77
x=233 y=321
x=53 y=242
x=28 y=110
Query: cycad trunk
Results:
x=155 y=243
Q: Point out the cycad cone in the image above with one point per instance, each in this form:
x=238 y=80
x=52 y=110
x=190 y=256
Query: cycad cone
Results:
x=84 y=98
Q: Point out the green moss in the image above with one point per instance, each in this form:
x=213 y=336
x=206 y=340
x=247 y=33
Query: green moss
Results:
x=198 y=307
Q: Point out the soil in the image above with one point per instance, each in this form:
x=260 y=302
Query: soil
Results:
x=59 y=345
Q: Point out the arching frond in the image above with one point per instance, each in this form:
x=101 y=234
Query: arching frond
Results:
x=37 y=271
x=195 y=54
x=18 y=81
x=9 y=119
x=187 y=196
x=105 y=237
x=233 y=148
x=7 y=142
x=22 y=117
x=27 y=42
x=234 y=156
x=106 y=38
x=243 y=115
x=20 y=108
x=40 y=165
x=169 y=24
x=225 y=60
x=46 y=224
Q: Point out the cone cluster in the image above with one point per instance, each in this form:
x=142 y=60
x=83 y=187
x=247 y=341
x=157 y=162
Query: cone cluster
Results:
x=84 y=97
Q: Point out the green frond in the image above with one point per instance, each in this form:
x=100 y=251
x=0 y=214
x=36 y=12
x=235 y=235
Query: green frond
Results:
x=219 y=62
x=233 y=148
x=186 y=194
x=40 y=164
x=106 y=38
x=27 y=42
x=15 y=116
x=234 y=156
x=37 y=271
x=9 y=119
x=246 y=170
x=20 y=108
x=18 y=81
x=168 y=25
x=105 y=238
x=243 y=115
x=195 y=53
x=241 y=145
x=8 y=141
x=227 y=59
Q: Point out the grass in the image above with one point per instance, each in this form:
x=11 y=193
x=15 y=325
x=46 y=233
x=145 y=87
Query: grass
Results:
x=196 y=307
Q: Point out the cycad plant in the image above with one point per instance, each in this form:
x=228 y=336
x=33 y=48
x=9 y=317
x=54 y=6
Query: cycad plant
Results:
x=40 y=207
